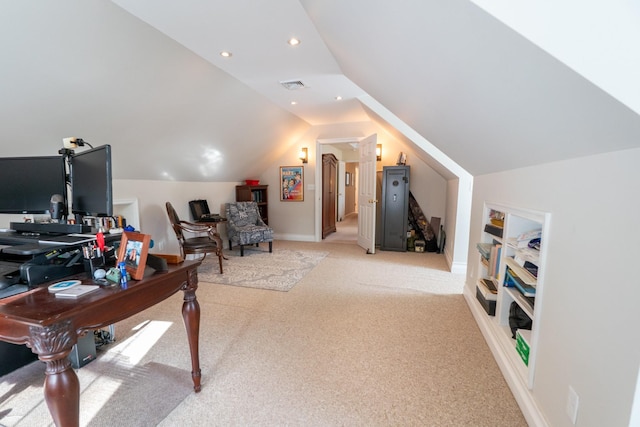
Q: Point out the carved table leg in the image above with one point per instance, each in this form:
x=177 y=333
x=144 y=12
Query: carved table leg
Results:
x=61 y=386
x=191 y=317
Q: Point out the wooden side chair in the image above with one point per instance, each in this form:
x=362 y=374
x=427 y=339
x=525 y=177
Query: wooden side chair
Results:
x=197 y=245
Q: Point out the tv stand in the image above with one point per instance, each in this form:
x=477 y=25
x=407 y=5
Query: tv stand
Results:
x=50 y=228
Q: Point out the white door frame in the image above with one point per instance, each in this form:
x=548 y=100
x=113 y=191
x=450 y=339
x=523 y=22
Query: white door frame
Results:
x=318 y=186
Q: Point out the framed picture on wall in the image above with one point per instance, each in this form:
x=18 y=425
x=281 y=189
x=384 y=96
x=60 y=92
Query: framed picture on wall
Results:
x=291 y=183
x=347 y=179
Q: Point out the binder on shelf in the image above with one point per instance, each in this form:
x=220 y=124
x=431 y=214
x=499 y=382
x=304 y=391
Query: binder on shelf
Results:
x=493 y=230
x=513 y=280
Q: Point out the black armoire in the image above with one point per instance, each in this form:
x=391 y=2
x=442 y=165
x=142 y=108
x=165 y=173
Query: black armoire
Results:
x=395 y=207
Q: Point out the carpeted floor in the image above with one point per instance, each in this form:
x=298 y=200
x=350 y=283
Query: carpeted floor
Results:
x=375 y=340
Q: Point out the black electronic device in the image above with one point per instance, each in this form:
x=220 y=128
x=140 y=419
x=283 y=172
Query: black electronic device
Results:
x=49 y=228
x=29 y=182
x=51 y=265
x=56 y=207
x=91 y=186
x=199 y=209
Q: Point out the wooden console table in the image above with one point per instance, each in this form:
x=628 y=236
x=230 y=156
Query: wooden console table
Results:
x=50 y=326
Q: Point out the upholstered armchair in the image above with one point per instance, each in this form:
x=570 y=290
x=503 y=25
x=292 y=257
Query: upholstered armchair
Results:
x=246 y=227
x=197 y=245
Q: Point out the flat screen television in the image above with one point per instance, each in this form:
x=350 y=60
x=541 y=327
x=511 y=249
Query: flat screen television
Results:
x=27 y=183
x=91 y=187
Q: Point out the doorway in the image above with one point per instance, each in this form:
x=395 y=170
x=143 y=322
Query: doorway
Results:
x=346 y=151
x=329 y=193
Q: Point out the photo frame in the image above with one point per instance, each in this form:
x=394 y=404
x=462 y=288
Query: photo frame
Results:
x=402 y=159
x=134 y=248
x=347 y=179
x=292 y=183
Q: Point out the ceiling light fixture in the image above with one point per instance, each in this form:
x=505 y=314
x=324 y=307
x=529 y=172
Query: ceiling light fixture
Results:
x=226 y=54
x=294 y=41
x=294 y=102
x=338 y=98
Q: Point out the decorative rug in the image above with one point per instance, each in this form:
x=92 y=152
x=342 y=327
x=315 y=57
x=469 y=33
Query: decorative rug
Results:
x=277 y=271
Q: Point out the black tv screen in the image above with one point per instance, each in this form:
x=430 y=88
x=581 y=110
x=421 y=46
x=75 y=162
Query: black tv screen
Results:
x=91 y=188
x=27 y=183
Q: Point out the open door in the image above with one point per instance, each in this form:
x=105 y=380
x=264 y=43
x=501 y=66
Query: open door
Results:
x=341 y=190
x=367 y=194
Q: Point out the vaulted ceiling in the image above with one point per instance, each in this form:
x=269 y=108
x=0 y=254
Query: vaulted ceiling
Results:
x=147 y=77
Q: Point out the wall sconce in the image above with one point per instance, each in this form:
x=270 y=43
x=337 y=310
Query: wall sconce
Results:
x=304 y=155
x=378 y=152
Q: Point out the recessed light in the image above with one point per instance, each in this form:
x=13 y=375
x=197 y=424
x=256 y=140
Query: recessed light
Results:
x=226 y=54
x=338 y=98
x=294 y=41
x=294 y=102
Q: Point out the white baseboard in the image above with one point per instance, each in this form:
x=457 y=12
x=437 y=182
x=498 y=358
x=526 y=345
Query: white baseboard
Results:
x=294 y=237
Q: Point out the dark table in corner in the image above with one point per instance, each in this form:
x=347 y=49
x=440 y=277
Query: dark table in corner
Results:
x=50 y=326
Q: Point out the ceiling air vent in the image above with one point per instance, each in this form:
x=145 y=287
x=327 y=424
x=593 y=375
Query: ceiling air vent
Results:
x=293 y=84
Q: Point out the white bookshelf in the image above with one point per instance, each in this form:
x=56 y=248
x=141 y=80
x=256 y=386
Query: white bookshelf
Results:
x=129 y=209
x=496 y=329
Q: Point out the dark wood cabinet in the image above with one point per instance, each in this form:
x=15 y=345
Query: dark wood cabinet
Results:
x=329 y=191
x=255 y=193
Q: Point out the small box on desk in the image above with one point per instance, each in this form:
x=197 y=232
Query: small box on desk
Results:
x=487 y=300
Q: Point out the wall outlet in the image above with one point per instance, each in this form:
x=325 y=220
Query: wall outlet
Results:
x=572 y=405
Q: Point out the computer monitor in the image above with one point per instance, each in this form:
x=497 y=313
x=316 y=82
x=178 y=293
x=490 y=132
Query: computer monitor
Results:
x=91 y=186
x=27 y=183
x=199 y=208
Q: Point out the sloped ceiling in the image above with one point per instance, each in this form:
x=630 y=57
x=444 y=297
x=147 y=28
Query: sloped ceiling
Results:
x=476 y=89
x=146 y=82
x=89 y=69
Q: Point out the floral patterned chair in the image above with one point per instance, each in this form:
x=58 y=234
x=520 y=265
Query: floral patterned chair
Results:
x=246 y=227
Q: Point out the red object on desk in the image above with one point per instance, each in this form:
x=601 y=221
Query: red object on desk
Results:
x=100 y=240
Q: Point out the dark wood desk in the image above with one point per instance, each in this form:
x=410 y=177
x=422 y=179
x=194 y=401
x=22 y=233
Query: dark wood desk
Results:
x=50 y=327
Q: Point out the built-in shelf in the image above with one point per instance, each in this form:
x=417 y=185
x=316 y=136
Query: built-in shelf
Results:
x=502 y=226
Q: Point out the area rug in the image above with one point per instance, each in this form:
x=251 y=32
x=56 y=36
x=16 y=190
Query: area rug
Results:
x=277 y=271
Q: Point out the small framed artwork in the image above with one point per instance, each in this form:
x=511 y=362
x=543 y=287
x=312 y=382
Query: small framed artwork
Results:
x=402 y=159
x=134 y=248
x=347 y=179
x=292 y=183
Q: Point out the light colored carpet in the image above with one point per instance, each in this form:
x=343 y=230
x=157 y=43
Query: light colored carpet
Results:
x=361 y=340
x=108 y=388
x=277 y=271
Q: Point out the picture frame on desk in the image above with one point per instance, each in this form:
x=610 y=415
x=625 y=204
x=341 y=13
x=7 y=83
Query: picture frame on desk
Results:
x=134 y=248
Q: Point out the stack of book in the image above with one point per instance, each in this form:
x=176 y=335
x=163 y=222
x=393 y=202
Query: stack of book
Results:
x=522 y=240
x=490 y=253
x=518 y=277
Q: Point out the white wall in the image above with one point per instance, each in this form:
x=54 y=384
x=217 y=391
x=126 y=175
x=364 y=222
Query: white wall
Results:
x=152 y=196
x=296 y=220
x=589 y=321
